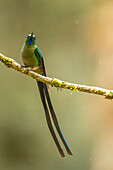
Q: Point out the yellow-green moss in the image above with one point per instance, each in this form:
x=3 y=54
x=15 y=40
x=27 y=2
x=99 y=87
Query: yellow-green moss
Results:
x=109 y=95
x=73 y=88
x=7 y=62
x=56 y=83
x=64 y=84
x=100 y=92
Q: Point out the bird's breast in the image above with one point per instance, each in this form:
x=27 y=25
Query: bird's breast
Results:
x=28 y=57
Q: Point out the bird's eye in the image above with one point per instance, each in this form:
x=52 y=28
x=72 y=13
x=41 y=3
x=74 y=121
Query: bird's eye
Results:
x=29 y=35
x=34 y=37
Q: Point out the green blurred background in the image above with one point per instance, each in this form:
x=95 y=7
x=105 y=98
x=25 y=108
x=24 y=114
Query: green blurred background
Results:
x=76 y=40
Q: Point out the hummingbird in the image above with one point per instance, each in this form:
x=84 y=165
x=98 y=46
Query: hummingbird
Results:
x=31 y=57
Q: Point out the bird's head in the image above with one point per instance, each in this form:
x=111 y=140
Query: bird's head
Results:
x=30 y=39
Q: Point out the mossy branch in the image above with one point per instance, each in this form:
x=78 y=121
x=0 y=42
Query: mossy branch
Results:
x=10 y=63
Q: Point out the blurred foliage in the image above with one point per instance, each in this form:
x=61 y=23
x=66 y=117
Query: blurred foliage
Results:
x=76 y=39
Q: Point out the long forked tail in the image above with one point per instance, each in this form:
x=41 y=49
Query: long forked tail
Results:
x=55 y=120
x=42 y=95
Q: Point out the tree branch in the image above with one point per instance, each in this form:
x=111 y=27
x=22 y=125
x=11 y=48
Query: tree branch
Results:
x=10 y=63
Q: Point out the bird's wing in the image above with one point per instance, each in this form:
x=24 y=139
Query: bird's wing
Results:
x=40 y=60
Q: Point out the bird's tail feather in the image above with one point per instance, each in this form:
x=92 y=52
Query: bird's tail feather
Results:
x=42 y=95
x=55 y=120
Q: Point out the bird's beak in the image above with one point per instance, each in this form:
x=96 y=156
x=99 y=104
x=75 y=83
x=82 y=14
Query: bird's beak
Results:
x=32 y=35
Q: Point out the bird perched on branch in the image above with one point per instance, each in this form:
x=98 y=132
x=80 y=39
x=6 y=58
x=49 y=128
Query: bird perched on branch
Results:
x=31 y=57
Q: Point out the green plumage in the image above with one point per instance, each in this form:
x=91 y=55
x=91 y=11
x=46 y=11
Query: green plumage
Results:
x=31 y=57
x=28 y=55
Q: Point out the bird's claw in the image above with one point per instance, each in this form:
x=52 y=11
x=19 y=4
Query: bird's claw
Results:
x=28 y=68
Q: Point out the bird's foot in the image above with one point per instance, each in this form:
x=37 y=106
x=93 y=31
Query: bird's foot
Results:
x=36 y=69
x=28 y=68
